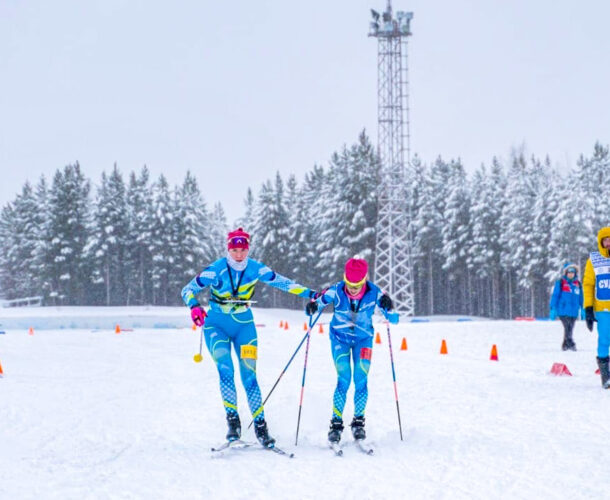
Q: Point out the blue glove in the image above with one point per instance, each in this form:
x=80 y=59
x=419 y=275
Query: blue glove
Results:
x=553 y=315
x=392 y=317
x=583 y=315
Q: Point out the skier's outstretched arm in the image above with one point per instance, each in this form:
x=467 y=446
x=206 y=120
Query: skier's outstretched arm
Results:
x=276 y=280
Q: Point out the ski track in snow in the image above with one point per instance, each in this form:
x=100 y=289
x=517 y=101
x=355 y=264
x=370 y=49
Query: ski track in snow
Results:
x=95 y=415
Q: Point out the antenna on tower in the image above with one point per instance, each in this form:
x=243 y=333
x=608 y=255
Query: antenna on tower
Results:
x=393 y=248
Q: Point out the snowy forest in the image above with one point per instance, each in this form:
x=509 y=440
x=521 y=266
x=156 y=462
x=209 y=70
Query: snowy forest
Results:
x=486 y=244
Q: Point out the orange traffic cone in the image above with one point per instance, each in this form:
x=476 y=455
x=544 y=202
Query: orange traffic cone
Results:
x=304 y=327
x=1 y=372
x=281 y=324
x=117 y=329
x=286 y=325
x=194 y=327
x=321 y=329
x=377 y=338
x=494 y=353
x=444 y=347
x=31 y=330
x=403 y=346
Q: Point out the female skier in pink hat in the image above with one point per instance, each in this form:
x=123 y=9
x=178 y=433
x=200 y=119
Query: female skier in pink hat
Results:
x=351 y=335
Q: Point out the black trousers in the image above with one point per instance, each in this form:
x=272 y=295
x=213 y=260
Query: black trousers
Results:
x=568 y=329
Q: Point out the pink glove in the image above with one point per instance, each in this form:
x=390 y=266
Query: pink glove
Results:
x=198 y=315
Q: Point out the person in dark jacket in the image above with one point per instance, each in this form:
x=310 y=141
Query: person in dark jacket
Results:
x=567 y=303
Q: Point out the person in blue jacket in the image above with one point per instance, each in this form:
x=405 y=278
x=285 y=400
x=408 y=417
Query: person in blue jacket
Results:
x=567 y=303
x=355 y=300
x=229 y=321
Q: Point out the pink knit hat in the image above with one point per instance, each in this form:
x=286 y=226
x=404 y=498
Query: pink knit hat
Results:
x=238 y=239
x=356 y=271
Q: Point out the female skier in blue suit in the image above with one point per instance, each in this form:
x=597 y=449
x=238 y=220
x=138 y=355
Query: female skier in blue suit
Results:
x=229 y=321
x=351 y=335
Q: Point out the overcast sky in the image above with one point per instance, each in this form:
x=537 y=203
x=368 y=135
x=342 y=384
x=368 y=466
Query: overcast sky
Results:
x=235 y=91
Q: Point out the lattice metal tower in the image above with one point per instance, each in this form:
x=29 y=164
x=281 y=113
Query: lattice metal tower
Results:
x=393 y=268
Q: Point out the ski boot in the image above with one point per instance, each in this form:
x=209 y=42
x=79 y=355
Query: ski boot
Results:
x=234 y=432
x=336 y=426
x=357 y=426
x=604 y=371
x=262 y=433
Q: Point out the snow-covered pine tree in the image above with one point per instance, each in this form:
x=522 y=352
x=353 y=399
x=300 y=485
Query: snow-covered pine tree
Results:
x=517 y=221
x=272 y=230
x=161 y=244
x=484 y=254
x=427 y=227
x=190 y=233
x=347 y=225
x=108 y=244
x=64 y=236
x=313 y=191
x=414 y=196
x=540 y=265
x=562 y=242
x=301 y=251
x=456 y=239
x=20 y=243
x=594 y=182
x=9 y=279
x=364 y=169
x=42 y=212
x=218 y=232
x=139 y=258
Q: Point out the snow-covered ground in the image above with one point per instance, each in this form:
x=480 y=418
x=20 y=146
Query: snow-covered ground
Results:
x=91 y=414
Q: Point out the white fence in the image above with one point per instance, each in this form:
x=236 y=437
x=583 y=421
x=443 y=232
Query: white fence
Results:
x=26 y=301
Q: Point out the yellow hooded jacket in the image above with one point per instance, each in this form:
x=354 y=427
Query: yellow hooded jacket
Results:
x=589 y=281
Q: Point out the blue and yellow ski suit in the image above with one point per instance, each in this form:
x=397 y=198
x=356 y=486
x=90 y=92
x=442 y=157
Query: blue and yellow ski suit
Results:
x=351 y=334
x=230 y=321
x=596 y=288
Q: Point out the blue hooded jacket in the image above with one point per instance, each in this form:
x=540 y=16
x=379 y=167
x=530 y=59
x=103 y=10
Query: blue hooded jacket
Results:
x=567 y=298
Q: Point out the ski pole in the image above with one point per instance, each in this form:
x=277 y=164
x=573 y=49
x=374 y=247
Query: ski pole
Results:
x=308 y=335
x=394 y=377
x=290 y=361
x=296 y=441
x=198 y=357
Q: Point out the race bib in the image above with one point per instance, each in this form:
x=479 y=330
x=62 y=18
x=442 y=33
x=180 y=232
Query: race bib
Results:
x=248 y=352
x=365 y=353
x=602 y=287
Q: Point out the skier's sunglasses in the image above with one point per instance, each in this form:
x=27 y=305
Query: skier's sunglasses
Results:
x=354 y=284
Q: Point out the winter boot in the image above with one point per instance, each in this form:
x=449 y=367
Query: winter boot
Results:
x=262 y=433
x=336 y=427
x=604 y=371
x=564 y=346
x=357 y=426
x=569 y=342
x=234 y=424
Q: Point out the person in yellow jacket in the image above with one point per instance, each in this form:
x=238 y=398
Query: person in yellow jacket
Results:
x=596 y=290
